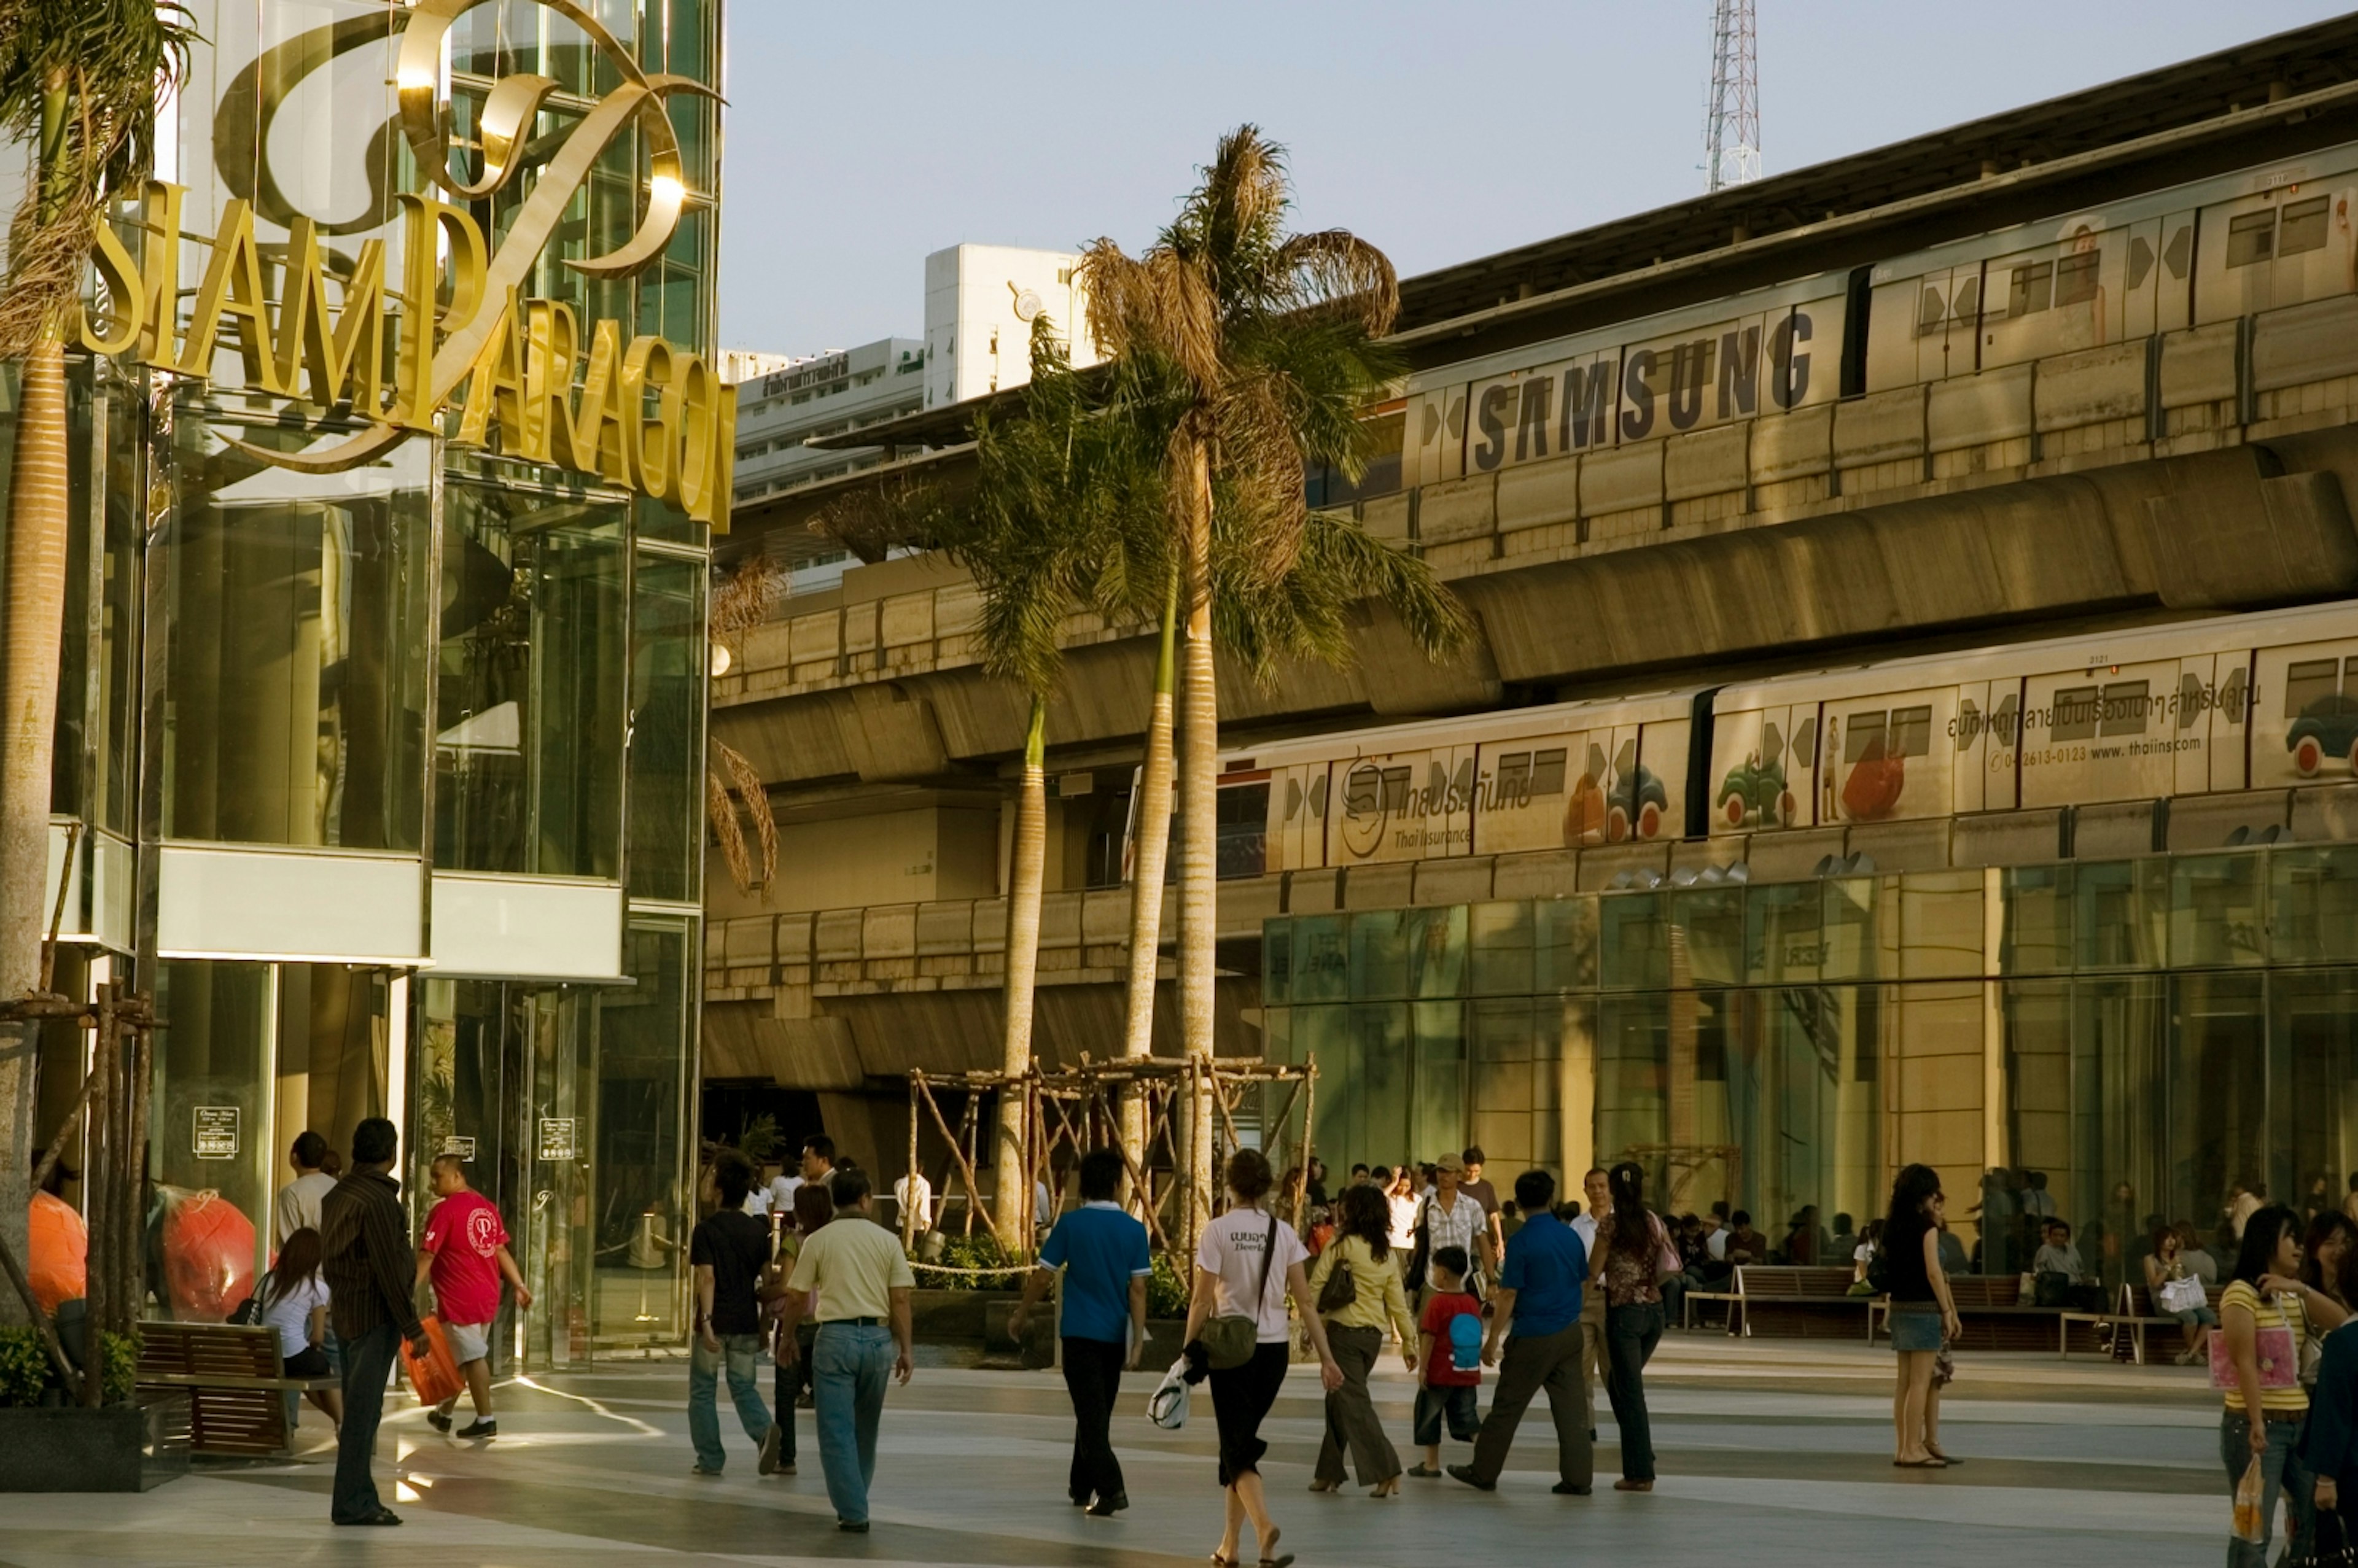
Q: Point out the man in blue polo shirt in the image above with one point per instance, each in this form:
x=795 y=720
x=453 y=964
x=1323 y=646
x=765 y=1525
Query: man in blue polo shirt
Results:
x=1104 y=1255
x=1535 y=1309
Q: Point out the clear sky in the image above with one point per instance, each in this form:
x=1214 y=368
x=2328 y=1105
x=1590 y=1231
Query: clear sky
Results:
x=861 y=136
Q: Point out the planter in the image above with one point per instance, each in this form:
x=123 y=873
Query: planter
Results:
x=938 y=1317
x=115 y=1448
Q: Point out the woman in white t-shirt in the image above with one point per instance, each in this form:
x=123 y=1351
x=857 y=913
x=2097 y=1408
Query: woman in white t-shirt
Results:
x=1247 y=1262
x=294 y=1302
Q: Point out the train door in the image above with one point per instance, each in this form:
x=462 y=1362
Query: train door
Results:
x=1297 y=817
x=1921 y=328
x=1661 y=804
x=1242 y=829
x=1433 y=446
x=1882 y=764
x=2234 y=272
x=2315 y=258
x=1521 y=793
x=1762 y=768
x=1403 y=806
x=2101 y=732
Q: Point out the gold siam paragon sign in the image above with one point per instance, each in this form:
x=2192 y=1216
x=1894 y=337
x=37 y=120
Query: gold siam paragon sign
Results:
x=393 y=354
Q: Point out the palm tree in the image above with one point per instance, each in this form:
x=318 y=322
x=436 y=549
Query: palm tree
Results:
x=1262 y=347
x=1053 y=523
x=80 y=81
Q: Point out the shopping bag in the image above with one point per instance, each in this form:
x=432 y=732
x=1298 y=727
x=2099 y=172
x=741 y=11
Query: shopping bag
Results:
x=2251 y=1516
x=1166 y=1407
x=433 y=1377
x=2331 y=1547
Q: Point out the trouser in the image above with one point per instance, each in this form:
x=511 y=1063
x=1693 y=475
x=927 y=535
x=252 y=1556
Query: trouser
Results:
x=1093 y=1379
x=2280 y=1467
x=1595 y=1372
x=1455 y=1401
x=1532 y=1362
x=850 y=1364
x=787 y=1381
x=1630 y=1335
x=704 y=1370
x=1351 y=1420
x=368 y=1363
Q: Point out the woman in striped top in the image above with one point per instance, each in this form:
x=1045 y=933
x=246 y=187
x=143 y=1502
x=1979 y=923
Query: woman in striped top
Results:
x=2264 y=1320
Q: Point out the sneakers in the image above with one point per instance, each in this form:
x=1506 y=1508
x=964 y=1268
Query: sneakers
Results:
x=770 y=1441
x=1466 y=1472
x=1106 y=1508
x=439 y=1420
x=482 y=1426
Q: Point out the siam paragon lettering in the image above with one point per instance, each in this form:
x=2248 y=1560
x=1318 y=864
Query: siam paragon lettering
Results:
x=394 y=353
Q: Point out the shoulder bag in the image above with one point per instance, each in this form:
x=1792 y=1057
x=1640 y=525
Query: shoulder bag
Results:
x=1341 y=1289
x=2272 y=1347
x=1413 y=1280
x=1230 y=1339
x=2183 y=1293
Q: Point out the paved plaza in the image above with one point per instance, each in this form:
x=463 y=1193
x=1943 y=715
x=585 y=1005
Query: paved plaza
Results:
x=1773 y=1453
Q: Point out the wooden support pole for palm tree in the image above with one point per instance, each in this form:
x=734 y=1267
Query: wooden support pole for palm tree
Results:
x=1151 y=836
x=1025 y=876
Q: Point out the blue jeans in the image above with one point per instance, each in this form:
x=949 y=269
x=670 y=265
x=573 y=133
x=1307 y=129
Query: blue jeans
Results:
x=704 y=1368
x=2281 y=1467
x=368 y=1363
x=849 y=1365
x=1630 y=1335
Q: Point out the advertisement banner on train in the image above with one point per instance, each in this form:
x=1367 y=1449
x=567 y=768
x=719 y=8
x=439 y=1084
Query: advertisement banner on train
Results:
x=2132 y=730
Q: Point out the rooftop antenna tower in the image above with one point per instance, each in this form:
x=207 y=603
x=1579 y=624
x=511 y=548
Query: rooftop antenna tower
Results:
x=1731 y=133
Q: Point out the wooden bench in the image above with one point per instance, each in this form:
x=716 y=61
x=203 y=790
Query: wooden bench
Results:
x=235 y=1380
x=1992 y=1316
x=1799 y=1302
x=2136 y=1314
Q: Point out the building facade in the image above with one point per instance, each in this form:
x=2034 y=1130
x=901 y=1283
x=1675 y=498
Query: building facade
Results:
x=1886 y=739
x=380 y=745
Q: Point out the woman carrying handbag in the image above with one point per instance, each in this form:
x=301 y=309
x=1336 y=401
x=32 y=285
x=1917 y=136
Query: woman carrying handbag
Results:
x=1634 y=1255
x=1358 y=1284
x=2328 y=1448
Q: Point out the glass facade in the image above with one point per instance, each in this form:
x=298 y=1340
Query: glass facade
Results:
x=2118 y=1043
x=441 y=657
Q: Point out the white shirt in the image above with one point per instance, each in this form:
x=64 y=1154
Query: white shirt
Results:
x=290 y=1314
x=1231 y=1248
x=1403 y=1231
x=1585 y=1229
x=298 y=1202
x=915 y=1197
x=757 y=1202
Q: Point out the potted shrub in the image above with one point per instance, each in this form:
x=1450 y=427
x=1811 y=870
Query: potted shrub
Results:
x=47 y=1444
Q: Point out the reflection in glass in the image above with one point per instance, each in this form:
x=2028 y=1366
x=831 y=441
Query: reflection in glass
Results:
x=666 y=729
x=2218 y=1101
x=2119 y=911
x=1437 y=1104
x=1634 y=937
x=2038 y=930
x=1322 y=967
x=1633 y=1071
x=2216 y=904
x=1563 y=938
x=2313 y=1087
x=1501 y=936
x=295 y=694
x=2313 y=917
x=528 y=763
x=642 y=1077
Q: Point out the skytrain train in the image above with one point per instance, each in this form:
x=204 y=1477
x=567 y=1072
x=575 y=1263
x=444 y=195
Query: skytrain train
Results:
x=2192 y=708
x=2118 y=276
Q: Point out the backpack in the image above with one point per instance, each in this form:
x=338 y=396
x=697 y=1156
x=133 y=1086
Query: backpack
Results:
x=1466 y=1342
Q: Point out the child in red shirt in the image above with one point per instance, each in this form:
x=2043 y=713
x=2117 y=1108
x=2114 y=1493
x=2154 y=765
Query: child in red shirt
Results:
x=465 y=1252
x=1446 y=1389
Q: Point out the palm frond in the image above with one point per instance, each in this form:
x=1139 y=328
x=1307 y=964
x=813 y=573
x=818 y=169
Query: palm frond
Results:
x=750 y=788
x=1334 y=273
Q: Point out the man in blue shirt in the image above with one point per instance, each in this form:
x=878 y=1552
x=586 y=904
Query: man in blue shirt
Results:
x=1104 y=1255
x=1535 y=1309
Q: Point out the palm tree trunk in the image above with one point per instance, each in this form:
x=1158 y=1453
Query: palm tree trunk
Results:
x=35 y=591
x=1199 y=744
x=1014 y=1184
x=1151 y=839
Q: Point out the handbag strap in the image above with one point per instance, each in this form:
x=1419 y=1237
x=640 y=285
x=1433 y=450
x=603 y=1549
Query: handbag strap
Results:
x=1268 y=1255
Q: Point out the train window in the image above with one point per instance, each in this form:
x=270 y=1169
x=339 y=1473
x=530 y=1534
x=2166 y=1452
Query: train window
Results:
x=1865 y=733
x=1242 y=833
x=2034 y=285
x=2076 y=708
x=1362 y=790
x=1911 y=731
x=2075 y=277
x=2252 y=238
x=1547 y=770
x=2349 y=676
x=2126 y=704
x=1805 y=744
x=2304 y=227
x=1515 y=774
x=2306 y=681
x=1396 y=788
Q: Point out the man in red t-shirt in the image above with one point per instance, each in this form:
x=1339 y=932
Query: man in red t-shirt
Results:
x=465 y=1252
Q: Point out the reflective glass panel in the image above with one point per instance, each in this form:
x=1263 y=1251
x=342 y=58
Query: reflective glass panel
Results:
x=2313 y=917
x=2038 y=915
x=2119 y=914
x=1438 y=1119
x=295 y=689
x=1633 y=941
x=211 y=1135
x=2216 y=910
x=1501 y=936
x=1563 y=939
x=642 y=1077
x=667 y=728
x=1708 y=946
x=1322 y=969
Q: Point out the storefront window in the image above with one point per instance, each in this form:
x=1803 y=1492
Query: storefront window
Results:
x=528 y=761
x=1500 y=936
x=1633 y=932
x=295 y=691
x=2313 y=912
x=1708 y=949
x=666 y=740
x=1408 y=953
x=213 y=1135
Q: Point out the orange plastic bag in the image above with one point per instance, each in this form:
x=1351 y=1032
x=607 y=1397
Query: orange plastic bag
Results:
x=2251 y=1507
x=434 y=1376
x=208 y=1256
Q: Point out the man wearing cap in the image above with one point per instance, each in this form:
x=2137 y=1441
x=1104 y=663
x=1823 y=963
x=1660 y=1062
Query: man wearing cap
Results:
x=1449 y=1216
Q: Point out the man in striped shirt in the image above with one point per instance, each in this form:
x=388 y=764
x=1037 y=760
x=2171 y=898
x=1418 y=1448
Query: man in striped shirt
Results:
x=368 y=1265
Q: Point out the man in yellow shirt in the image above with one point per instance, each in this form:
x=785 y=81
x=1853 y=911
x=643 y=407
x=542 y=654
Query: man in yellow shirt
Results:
x=863 y=1281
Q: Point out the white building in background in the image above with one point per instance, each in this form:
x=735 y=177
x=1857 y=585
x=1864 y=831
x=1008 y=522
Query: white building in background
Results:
x=980 y=301
x=980 y=304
